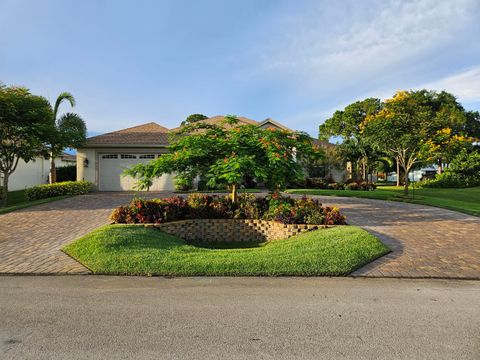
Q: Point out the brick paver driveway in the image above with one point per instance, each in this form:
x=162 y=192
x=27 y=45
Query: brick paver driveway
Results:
x=425 y=241
x=30 y=239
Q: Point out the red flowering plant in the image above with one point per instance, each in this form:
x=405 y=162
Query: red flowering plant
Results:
x=199 y=206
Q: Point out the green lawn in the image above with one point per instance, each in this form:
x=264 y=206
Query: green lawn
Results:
x=136 y=250
x=463 y=200
x=17 y=200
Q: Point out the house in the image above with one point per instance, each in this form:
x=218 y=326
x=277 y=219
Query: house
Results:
x=104 y=157
x=35 y=172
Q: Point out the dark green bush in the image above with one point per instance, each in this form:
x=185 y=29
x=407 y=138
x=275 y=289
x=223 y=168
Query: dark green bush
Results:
x=58 y=189
x=67 y=173
x=464 y=171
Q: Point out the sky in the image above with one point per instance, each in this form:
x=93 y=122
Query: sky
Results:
x=133 y=62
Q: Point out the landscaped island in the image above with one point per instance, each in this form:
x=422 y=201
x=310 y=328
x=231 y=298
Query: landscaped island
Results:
x=141 y=250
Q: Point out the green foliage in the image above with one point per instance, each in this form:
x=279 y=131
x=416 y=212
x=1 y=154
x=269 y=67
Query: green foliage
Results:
x=407 y=123
x=67 y=173
x=70 y=131
x=25 y=127
x=200 y=206
x=226 y=155
x=347 y=124
x=193 y=119
x=464 y=171
x=58 y=189
x=183 y=183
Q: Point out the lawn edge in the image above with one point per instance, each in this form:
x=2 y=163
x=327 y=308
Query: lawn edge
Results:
x=417 y=202
x=28 y=204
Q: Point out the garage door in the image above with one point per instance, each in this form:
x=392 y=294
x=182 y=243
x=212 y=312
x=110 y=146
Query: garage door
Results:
x=111 y=167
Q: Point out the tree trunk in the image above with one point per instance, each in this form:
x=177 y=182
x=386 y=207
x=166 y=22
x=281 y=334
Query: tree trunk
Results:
x=405 y=185
x=53 y=170
x=440 y=166
x=5 y=188
x=234 y=194
x=398 y=172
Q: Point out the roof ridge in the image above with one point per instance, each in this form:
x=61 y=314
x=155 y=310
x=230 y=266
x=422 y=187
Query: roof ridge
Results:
x=139 y=126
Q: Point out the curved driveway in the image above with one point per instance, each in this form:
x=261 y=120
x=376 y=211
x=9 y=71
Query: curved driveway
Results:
x=425 y=241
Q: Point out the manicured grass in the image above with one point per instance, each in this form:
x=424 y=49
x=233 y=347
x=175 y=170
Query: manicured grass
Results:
x=463 y=200
x=17 y=200
x=136 y=250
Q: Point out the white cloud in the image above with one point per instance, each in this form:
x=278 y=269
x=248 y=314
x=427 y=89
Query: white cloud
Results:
x=464 y=85
x=357 y=43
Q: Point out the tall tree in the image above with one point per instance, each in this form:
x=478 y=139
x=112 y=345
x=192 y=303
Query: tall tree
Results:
x=407 y=123
x=347 y=125
x=26 y=127
x=224 y=156
x=70 y=131
x=193 y=119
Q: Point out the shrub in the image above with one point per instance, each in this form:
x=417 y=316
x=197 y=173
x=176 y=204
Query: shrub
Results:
x=352 y=186
x=66 y=173
x=359 y=185
x=183 y=184
x=199 y=206
x=58 y=189
x=316 y=183
x=464 y=171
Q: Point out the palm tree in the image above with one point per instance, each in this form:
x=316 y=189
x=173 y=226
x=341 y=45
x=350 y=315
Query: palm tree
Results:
x=71 y=132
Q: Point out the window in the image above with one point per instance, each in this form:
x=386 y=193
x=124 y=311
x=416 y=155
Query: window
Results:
x=147 y=156
x=110 y=156
x=128 y=156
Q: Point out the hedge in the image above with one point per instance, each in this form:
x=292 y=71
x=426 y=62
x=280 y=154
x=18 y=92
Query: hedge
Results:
x=58 y=189
x=67 y=173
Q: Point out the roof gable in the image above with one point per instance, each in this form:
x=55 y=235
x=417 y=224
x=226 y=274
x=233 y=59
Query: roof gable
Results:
x=145 y=134
x=270 y=123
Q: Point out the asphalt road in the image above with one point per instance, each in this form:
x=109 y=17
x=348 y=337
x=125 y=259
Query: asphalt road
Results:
x=93 y=317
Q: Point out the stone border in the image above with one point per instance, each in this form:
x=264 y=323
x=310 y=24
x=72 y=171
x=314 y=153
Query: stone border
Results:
x=228 y=230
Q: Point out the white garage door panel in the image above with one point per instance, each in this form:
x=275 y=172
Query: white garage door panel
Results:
x=110 y=177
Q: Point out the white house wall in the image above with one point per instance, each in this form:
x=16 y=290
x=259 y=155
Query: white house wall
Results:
x=91 y=172
x=32 y=173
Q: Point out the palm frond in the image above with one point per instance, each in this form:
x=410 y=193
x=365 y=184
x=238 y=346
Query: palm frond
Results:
x=64 y=96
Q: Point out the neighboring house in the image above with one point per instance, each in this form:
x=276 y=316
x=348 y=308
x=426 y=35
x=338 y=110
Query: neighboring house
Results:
x=104 y=157
x=36 y=172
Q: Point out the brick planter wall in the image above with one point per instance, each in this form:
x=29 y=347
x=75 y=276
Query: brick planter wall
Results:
x=224 y=230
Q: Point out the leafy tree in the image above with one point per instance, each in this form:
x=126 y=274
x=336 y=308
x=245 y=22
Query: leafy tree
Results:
x=70 y=131
x=193 y=119
x=472 y=124
x=347 y=124
x=226 y=156
x=26 y=127
x=406 y=126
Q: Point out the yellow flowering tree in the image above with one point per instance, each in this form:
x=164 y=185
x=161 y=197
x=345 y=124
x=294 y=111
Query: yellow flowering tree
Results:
x=416 y=126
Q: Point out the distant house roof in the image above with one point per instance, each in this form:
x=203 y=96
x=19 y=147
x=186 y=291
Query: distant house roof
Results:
x=219 y=119
x=146 y=134
x=270 y=123
x=68 y=157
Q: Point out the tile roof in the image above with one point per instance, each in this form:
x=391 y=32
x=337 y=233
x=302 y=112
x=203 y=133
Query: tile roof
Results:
x=153 y=134
x=217 y=120
x=146 y=134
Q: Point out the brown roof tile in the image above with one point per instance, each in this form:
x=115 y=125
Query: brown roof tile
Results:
x=146 y=134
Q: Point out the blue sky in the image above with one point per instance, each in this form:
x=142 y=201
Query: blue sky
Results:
x=131 y=62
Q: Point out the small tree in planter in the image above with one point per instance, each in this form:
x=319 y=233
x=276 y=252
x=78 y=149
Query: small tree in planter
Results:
x=224 y=155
